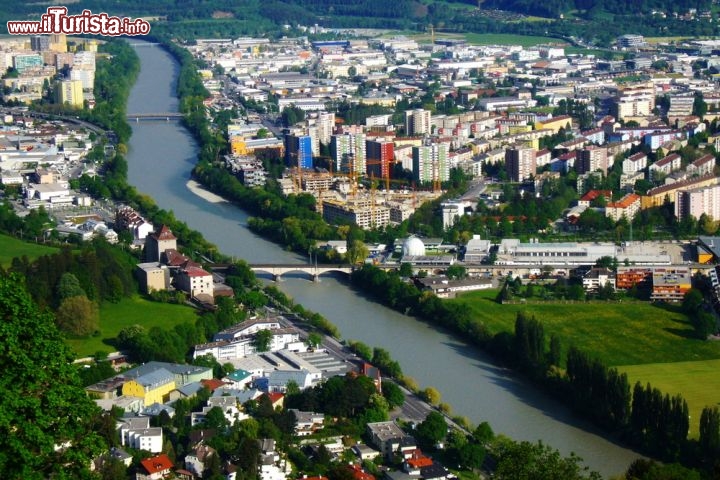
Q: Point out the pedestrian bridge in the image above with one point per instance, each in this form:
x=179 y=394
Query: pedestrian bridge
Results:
x=313 y=271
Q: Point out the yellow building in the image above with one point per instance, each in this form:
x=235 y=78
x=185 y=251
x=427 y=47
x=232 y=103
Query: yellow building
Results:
x=513 y=129
x=555 y=124
x=656 y=196
x=238 y=145
x=69 y=92
x=152 y=387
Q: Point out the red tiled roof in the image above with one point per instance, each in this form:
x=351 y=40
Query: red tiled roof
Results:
x=212 y=384
x=157 y=463
x=275 y=397
x=359 y=474
x=625 y=202
x=420 y=462
x=593 y=194
x=165 y=234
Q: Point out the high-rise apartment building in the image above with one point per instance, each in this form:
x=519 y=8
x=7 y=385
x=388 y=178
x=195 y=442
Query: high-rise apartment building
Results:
x=697 y=201
x=298 y=150
x=520 y=163
x=380 y=155
x=431 y=162
x=417 y=122
x=591 y=159
x=69 y=92
x=349 y=152
x=325 y=126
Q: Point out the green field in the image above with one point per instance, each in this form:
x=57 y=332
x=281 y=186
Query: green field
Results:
x=11 y=247
x=649 y=343
x=129 y=311
x=627 y=333
x=511 y=39
x=697 y=382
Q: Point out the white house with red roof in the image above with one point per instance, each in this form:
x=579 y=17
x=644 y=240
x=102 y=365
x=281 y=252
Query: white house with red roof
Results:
x=194 y=280
x=155 y=468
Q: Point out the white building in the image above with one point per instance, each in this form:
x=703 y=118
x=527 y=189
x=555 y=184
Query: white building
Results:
x=135 y=432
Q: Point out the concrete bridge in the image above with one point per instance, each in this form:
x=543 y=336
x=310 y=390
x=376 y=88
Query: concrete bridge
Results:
x=167 y=116
x=277 y=270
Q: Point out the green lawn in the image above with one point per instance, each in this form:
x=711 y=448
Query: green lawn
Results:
x=129 y=311
x=627 y=333
x=510 y=39
x=11 y=247
x=697 y=382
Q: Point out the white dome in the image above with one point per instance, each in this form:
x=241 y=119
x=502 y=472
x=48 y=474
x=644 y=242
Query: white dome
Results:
x=413 y=246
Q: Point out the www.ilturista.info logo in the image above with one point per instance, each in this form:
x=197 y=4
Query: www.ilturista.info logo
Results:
x=57 y=21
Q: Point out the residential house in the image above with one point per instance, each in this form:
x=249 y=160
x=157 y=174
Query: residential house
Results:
x=386 y=436
x=155 y=468
x=307 y=423
x=198 y=457
x=598 y=278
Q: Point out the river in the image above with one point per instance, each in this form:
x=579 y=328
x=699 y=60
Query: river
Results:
x=160 y=157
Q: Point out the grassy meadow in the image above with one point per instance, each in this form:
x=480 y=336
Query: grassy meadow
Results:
x=618 y=333
x=698 y=383
x=650 y=343
x=129 y=311
x=511 y=39
x=11 y=247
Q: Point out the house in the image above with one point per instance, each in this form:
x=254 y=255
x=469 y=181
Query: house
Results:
x=228 y=405
x=359 y=473
x=598 y=278
x=365 y=452
x=307 y=423
x=198 y=457
x=155 y=468
x=195 y=281
x=386 y=436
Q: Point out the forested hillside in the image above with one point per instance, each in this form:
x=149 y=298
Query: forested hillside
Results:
x=553 y=8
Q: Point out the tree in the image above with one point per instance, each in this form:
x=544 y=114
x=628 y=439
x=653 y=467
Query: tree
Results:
x=406 y=269
x=456 y=272
x=393 y=394
x=69 y=286
x=357 y=252
x=262 y=340
x=431 y=395
x=538 y=462
x=710 y=433
x=43 y=404
x=78 y=316
x=432 y=430
x=314 y=340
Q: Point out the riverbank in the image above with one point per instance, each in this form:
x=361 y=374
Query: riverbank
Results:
x=202 y=192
